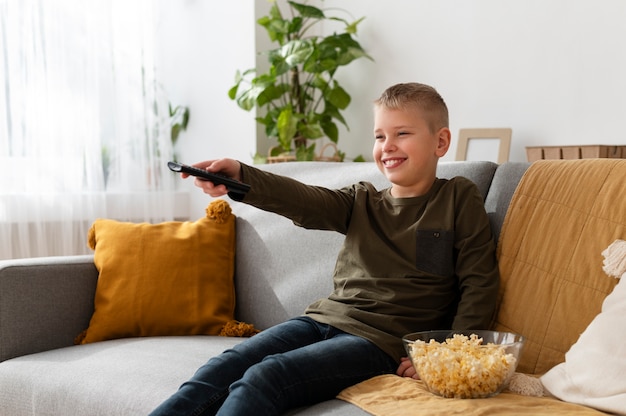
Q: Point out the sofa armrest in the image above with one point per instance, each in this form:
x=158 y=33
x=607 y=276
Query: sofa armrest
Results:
x=44 y=302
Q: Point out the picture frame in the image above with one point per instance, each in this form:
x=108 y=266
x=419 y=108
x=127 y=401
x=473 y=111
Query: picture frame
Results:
x=487 y=137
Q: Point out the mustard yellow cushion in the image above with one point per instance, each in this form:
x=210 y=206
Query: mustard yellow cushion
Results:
x=563 y=214
x=173 y=278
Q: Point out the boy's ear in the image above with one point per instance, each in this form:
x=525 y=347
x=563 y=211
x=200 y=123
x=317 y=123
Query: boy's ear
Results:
x=444 y=139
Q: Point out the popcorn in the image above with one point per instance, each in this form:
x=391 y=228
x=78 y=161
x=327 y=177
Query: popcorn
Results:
x=462 y=367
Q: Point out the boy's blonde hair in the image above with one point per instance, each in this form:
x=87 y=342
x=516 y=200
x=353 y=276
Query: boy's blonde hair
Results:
x=420 y=96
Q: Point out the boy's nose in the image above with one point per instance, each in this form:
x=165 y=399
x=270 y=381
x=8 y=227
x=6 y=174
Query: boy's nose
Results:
x=389 y=145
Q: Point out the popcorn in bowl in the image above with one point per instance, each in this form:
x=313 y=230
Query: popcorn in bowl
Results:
x=464 y=364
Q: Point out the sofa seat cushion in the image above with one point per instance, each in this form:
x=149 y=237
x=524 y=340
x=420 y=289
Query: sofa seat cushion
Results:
x=122 y=377
x=390 y=395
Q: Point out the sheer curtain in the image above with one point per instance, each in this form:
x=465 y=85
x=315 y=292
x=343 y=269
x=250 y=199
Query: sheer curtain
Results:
x=84 y=122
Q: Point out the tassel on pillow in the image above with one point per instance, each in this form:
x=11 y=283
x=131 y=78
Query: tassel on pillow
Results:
x=238 y=329
x=525 y=385
x=615 y=259
x=218 y=211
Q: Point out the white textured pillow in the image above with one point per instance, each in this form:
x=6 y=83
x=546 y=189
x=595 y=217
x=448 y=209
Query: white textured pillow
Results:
x=593 y=373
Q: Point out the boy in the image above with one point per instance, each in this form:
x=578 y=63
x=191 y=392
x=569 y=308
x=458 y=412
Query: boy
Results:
x=416 y=256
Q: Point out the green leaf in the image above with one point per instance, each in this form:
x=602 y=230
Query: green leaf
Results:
x=310 y=130
x=261 y=120
x=331 y=131
x=311 y=64
x=247 y=99
x=258 y=159
x=232 y=92
x=271 y=93
x=319 y=82
x=351 y=28
x=304 y=153
x=276 y=151
x=269 y=121
x=275 y=11
x=186 y=116
x=287 y=127
x=266 y=96
x=249 y=71
x=264 y=21
x=329 y=47
x=179 y=118
x=238 y=77
x=175 y=132
x=296 y=52
x=264 y=80
x=278 y=66
x=307 y=11
x=295 y=25
x=338 y=97
x=333 y=112
x=351 y=54
x=317 y=65
x=277 y=28
x=359 y=158
x=342 y=48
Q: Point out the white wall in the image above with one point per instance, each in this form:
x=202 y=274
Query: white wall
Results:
x=552 y=70
x=203 y=43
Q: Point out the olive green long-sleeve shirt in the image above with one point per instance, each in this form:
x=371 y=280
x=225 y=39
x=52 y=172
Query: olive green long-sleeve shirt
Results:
x=406 y=265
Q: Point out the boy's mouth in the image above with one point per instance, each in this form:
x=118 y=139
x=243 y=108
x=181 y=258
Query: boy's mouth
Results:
x=392 y=163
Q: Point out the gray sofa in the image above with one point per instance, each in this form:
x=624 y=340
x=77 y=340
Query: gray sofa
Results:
x=46 y=302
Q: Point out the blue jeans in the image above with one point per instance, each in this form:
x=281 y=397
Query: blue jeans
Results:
x=296 y=363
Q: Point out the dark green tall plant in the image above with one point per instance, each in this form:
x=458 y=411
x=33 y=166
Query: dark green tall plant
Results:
x=299 y=92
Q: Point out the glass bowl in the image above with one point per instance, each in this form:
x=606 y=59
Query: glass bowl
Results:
x=464 y=364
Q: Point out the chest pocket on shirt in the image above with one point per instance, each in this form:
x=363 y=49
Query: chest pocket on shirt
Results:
x=435 y=252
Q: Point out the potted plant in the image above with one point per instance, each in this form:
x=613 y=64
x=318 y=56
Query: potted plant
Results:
x=299 y=93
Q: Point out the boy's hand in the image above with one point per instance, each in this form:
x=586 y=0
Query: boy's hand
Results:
x=406 y=369
x=227 y=167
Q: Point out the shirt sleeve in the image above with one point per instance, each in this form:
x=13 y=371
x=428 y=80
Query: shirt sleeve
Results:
x=476 y=265
x=312 y=207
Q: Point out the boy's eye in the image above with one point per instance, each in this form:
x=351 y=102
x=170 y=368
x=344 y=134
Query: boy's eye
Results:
x=379 y=137
x=402 y=133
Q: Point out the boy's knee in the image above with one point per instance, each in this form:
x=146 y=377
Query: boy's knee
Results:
x=260 y=388
x=268 y=374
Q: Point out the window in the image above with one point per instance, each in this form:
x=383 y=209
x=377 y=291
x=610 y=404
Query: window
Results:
x=84 y=128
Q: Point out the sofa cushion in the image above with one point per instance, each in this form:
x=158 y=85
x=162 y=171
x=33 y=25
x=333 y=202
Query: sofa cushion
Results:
x=173 y=278
x=562 y=216
x=123 y=377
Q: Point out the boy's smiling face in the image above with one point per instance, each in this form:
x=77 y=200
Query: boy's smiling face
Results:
x=406 y=150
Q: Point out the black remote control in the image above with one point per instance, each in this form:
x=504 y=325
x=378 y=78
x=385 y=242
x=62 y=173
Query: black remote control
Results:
x=231 y=184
